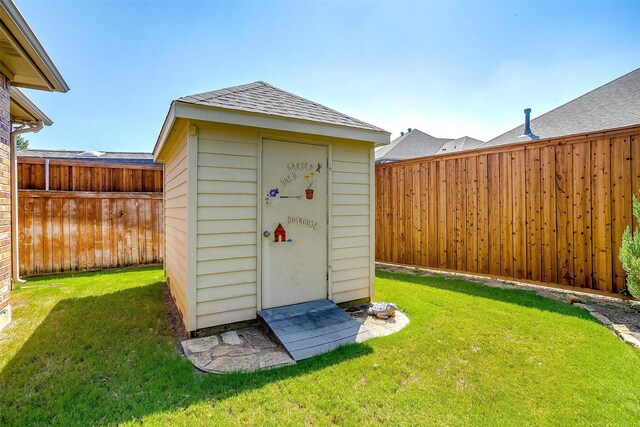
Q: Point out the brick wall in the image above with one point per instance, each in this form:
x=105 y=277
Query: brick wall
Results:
x=5 y=203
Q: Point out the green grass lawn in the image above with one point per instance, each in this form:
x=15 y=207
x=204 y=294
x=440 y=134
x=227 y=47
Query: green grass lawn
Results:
x=95 y=348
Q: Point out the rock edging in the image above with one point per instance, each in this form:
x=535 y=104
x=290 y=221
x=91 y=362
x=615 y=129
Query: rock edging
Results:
x=619 y=330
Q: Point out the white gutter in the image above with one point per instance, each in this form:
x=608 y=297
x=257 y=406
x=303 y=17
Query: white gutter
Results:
x=15 y=264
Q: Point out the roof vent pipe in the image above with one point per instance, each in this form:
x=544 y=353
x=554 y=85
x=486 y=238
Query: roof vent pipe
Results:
x=527 y=121
x=527 y=134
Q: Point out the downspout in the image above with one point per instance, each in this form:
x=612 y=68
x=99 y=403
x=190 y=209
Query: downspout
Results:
x=25 y=128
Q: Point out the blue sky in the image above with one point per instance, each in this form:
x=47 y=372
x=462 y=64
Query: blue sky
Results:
x=448 y=68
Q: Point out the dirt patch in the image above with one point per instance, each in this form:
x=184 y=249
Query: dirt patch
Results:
x=175 y=320
x=618 y=311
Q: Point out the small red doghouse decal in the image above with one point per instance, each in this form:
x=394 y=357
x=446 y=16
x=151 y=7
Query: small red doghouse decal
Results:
x=279 y=235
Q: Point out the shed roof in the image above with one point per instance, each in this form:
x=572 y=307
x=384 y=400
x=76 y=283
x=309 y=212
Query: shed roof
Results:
x=613 y=105
x=106 y=156
x=261 y=97
x=261 y=105
x=409 y=146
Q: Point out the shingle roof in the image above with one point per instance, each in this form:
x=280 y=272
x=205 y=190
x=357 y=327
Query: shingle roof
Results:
x=106 y=156
x=261 y=97
x=460 y=144
x=410 y=146
x=614 y=105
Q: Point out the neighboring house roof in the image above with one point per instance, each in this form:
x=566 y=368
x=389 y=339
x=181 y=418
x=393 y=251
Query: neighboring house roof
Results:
x=261 y=97
x=93 y=156
x=260 y=105
x=410 y=146
x=22 y=109
x=460 y=144
x=22 y=58
x=613 y=105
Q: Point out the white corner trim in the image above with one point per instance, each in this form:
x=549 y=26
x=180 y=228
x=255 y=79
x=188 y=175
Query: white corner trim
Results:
x=259 y=227
x=192 y=228
x=330 y=221
x=372 y=222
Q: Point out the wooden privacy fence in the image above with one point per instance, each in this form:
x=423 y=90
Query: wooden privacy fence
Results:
x=551 y=211
x=86 y=231
x=85 y=228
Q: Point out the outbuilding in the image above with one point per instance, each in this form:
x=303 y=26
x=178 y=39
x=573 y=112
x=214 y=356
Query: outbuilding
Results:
x=269 y=202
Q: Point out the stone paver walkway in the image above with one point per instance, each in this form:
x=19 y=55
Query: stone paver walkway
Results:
x=245 y=350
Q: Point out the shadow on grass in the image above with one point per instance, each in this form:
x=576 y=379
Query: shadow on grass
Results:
x=111 y=358
x=519 y=297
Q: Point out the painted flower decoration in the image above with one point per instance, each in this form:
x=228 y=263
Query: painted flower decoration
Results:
x=309 y=179
x=273 y=192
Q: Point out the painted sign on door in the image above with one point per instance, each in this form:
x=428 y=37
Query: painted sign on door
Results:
x=294 y=223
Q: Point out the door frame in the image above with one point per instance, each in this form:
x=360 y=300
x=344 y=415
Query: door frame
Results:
x=259 y=198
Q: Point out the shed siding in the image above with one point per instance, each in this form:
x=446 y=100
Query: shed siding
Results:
x=227 y=244
x=175 y=217
x=227 y=220
x=350 y=235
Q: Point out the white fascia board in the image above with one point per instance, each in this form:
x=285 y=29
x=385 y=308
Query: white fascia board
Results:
x=164 y=132
x=31 y=48
x=25 y=104
x=241 y=118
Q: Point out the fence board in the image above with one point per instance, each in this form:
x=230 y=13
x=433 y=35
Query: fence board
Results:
x=620 y=202
x=551 y=210
x=519 y=215
x=494 y=210
x=483 y=214
x=564 y=237
x=601 y=211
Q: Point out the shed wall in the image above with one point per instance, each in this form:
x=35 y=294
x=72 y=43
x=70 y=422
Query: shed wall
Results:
x=227 y=215
x=227 y=221
x=350 y=235
x=175 y=213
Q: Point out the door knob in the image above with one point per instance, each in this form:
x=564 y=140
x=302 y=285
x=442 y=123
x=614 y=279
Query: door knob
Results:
x=266 y=234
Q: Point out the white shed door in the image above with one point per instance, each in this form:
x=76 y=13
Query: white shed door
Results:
x=294 y=223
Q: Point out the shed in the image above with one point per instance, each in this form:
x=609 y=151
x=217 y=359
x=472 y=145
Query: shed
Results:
x=269 y=201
